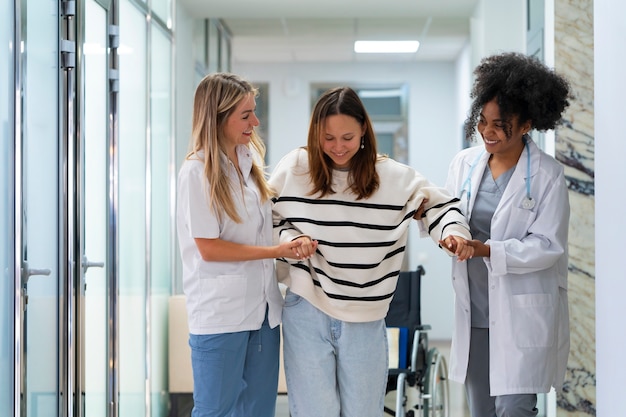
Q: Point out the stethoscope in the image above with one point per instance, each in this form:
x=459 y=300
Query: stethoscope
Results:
x=528 y=202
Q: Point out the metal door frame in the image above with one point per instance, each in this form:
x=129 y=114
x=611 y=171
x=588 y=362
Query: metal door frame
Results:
x=18 y=387
x=112 y=340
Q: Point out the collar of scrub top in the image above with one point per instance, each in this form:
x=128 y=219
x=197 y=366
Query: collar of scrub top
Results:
x=244 y=158
x=528 y=203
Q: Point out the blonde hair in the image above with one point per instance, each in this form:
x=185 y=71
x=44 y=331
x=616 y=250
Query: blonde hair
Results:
x=215 y=99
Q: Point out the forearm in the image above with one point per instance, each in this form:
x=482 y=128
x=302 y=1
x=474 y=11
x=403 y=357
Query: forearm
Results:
x=481 y=249
x=218 y=250
x=443 y=216
x=523 y=256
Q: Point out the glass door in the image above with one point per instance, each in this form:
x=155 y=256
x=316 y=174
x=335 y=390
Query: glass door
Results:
x=133 y=212
x=7 y=200
x=40 y=217
x=94 y=203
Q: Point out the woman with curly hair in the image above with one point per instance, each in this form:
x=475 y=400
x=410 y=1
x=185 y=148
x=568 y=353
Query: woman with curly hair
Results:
x=511 y=337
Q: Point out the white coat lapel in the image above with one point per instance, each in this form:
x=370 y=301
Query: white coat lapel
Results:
x=476 y=175
x=515 y=191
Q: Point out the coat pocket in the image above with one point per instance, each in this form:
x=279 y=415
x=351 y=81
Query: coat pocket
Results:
x=518 y=223
x=223 y=299
x=534 y=318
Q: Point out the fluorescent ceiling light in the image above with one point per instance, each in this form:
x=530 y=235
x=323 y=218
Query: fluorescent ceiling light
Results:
x=380 y=93
x=386 y=47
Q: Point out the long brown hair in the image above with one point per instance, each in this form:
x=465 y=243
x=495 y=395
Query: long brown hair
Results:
x=216 y=97
x=363 y=178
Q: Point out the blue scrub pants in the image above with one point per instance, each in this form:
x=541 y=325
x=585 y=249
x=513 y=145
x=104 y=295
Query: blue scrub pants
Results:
x=235 y=374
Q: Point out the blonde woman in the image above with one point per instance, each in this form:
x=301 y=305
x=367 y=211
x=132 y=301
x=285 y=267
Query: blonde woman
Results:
x=224 y=221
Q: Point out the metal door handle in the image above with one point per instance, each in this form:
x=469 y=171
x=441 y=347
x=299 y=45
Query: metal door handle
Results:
x=27 y=273
x=87 y=264
x=34 y=271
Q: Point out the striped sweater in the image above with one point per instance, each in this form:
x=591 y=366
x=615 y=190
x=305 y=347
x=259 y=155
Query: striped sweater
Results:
x=361 y=243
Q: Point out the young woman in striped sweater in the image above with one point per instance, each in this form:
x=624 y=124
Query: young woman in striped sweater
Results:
x=350 y=208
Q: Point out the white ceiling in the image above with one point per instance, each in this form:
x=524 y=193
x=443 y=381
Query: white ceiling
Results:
x=325 y=30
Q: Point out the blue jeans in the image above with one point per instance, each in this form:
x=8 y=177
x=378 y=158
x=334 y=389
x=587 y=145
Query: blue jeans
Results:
x=333 y=368
x=235 y=374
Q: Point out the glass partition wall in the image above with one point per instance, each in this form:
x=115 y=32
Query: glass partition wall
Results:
x=146 y=209
x=133 y=258
x=94 y=209
x=88 y=164
x=86 y=207
x=161 y=151
x=42 y=217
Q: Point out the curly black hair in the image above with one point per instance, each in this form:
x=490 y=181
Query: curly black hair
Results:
x=523 y=87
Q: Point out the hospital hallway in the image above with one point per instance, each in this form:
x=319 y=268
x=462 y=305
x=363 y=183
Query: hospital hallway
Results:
x=96 y=108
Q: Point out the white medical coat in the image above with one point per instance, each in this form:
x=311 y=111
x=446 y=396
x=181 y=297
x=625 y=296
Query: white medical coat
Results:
x=527 y=276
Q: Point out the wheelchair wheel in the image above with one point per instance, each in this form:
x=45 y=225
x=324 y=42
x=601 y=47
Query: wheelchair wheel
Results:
x=436 y=394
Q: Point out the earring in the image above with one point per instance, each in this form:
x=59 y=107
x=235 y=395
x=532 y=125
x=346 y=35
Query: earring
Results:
x=362 y=143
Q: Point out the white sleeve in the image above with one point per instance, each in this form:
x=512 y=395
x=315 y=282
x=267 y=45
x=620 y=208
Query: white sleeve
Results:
x=193 y=200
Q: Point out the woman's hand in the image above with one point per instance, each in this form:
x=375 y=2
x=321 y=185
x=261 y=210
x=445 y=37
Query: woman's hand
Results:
x=462 y=248
x=303 y=247
x=420 y=210
x=288 y=249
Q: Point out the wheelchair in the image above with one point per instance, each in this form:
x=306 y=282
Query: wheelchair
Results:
x=420 y=382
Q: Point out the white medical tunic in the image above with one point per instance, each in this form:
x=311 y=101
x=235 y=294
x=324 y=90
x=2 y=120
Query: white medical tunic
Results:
x=224 y=297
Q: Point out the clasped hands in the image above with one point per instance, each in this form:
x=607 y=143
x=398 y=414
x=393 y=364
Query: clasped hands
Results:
x=462 y=248
x=465 y=249
x=302 y=248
